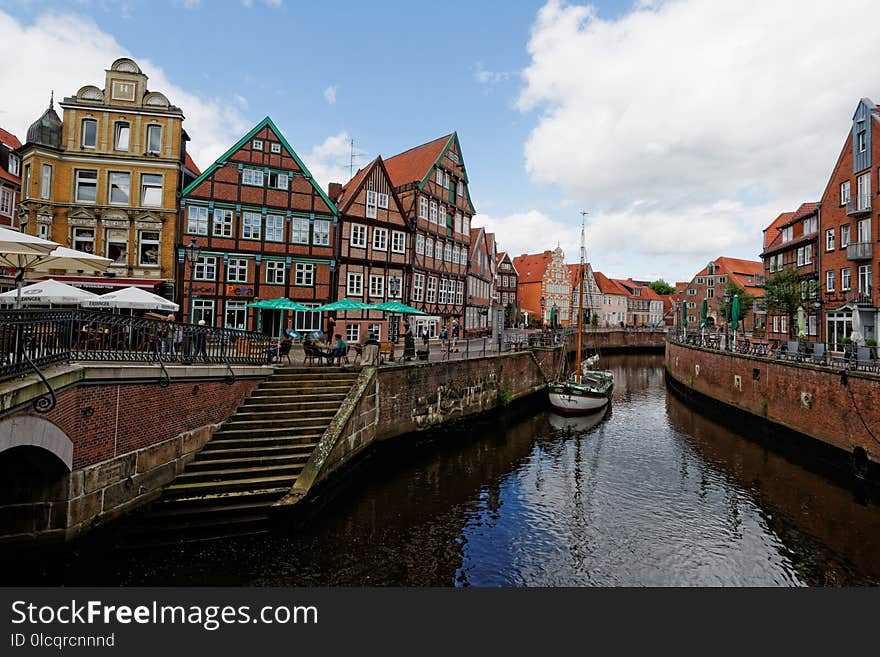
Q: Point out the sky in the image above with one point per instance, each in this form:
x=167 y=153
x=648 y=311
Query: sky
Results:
x=683 y=127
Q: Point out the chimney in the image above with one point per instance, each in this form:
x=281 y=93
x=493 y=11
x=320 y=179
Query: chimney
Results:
x=334 y=191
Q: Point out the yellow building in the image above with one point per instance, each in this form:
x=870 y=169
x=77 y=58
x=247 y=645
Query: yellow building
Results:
x=107 y=179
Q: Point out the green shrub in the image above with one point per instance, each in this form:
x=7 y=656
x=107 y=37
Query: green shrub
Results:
x=504 y=397
x=870 y=342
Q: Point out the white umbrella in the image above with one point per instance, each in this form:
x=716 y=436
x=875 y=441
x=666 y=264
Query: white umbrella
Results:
x=47 y=292
x=64 y=258
x=134 y=298
x=856 y=335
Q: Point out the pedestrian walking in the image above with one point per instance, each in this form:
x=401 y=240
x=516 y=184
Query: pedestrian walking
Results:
x=200 y=341
x=443 y=338
x=409 y=343
x=425 y=336
x=455 y=333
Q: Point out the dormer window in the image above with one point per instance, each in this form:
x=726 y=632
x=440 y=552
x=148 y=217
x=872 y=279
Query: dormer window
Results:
x=257 y=144
x=787 y=234
x=275 y=148
x=123 y=136
x=862 y=141
x=14 y=164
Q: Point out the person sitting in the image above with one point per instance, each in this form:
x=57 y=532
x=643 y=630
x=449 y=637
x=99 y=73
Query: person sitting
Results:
x=371 y=349
x=286 y=344
x=311 y=350
x=339 y=350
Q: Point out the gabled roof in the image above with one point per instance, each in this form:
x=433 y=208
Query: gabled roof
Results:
x=773 y=232
x=9 y=139
x=241 y=142
x=531 y=268
x=476 y=241
x=609 y=286
x=502 y=255
x=190 y=164
x=414 y=165
x=349 y=189
x=737 y=271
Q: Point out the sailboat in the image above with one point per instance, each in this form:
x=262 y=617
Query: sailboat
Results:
x=584 y=390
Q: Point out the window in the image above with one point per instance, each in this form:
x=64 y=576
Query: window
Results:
x=237 y=270
x=432 y=290
x=306 y=321
x=811 y=325
x=278 y=180
x=423 y=208
x=305 y=274
x=433 y=213
x=383 y=201
x=863 y=230
x=371 y=204
x=447 y=252
x=420 y=244
x=352 y=332
x=299 y=233
x=196 y=219
x=380 y=239
x=275 y=272
x=844 y=193
x=86 y=185
x=120 y=189
x=274 y=228
x=418 y=287
x=465 y=225
x=845 y=276
x=27 y=181
x=151 y=190
x=398 y=241
x=429 y=248
x=6 y=201
x=154 y=139
x=864 y=190
x=787 y=234
x=252 y=177
x=203 y=309
x=46 y=181
x=236 y=315
x=123 y=136
x=84 y=239
x=44 y=231
x=441 y=298
x=456 y=254
x=710 y=293
x=445 y=180
x=844 y=236
x=865 y=279
x=808 y=254
x=275 y=147
x=457 y=222
x=439 y=177
x=459 y=293
x=463 y=260
x=862 y=139
x=829 y=280
x=205 y=269
x=148 y=248
x=222 y=222
x=395 y=287
x=460 y=188
x=354 y=286
x=800 y=256
x=89 y=133
x=257 y=144
x=358 y=236
x=250 y=225
x=376 y=330
x=377 y=286
x=829 y=239
x=321 y=235
x=14 y=164
x=811 y=225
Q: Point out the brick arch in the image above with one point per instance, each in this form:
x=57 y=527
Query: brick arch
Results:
x=31 y=431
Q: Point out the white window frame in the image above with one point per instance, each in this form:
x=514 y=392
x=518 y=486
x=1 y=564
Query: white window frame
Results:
x=429 y=248
x=121 y=128
x=276 y=272
x=829 y=239
x=305 y=274
x=251 y=225
x=7 y=200
x=865 y=278
x=274 y=228
x=237 y=270
x=358 y=238
x=352 y=333
x=202 y=309
x=321 y=233
x=420 y=244
x=845 y=236
x=223 y=220
x=79 y=181
x=151 y=129
x=390 y=287
x=398 y=241
x=863 y=184
x=237 y=309
x=377 y=286
x=845 y=196
x=142 y=241
x=383 y=201
x=14 y=164
x=439 y=176
x=863 y=230
x=280 y=180
x=148 y=185
x=82 y=137
x=252 y=177
x=829 y=280
x=126 y=175
x=257 y=144
x=275 y=147
x=354 y=284
x=845 y=279
x=433 y=212
x=300 y=228
x=431 y=290
x=205 y=268
x=380 y=239
x=371 y=204
x=196 y=220
x=423 y=207
x=46 y=181
x=418 y=287
x=79 y=239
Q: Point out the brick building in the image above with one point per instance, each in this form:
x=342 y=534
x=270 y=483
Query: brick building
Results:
x=506 y=288
x=544 y=286
x=266 y=230
x=107 y=180
x=644 y=307
x=374 y=247
x=712 y=282
x=613 y=299
x=432 y=184
x=792 y=240
x=591 y=301
x=849 y=231
x=10 y=177
x=479 y=288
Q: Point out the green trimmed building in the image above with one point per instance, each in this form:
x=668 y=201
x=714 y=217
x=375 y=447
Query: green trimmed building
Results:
x=265 y=230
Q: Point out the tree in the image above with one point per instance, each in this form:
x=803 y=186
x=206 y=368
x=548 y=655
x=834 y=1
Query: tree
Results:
x=661 y=287
x=782 y=295
x=746 y=301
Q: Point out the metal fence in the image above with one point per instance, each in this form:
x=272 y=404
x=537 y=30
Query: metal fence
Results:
x=33 y=339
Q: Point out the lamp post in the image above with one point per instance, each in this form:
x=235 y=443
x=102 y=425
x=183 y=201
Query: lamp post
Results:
x=543 y=306
x=726 y=316
x=393 y=325
x=193 y=251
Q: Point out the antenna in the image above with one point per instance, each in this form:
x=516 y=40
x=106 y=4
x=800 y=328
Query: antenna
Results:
x=353 y=154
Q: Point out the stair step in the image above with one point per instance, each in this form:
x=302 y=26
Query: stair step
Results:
x=249 y=440
x=295 y=450
x=263 y=423
x=222 y=475
x=292 y=432
x=207 y=487
x=347 y=375
x=330 y=406
x=247 y=459
x=295 y=397
x=182 y=509
x=324 y=369
x=213 y=499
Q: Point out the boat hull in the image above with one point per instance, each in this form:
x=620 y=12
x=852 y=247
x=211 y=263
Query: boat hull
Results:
x=566 y=399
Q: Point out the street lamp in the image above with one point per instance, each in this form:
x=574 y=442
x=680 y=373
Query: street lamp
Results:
x=393 y=325
x=543 y=305
x=193 y=251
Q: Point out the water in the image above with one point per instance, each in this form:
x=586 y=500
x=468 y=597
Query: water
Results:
x=653 y=493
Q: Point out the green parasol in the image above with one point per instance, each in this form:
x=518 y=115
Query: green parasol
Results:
x=734 y=313
x=704 y=313
x=396 y=307
x=684 y=314
x=279 y=304
x=342 y=305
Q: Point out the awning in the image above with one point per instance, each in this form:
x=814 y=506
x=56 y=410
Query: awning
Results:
x=102 y=281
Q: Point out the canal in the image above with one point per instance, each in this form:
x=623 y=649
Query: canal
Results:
x=650 y=493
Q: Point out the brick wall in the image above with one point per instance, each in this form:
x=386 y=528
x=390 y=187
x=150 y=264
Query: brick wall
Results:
x=816 y=401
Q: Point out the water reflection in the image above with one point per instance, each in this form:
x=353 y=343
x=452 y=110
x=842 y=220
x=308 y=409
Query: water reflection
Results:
x=649 y=493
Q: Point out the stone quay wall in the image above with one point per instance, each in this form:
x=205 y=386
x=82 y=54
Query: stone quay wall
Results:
x=839 y=409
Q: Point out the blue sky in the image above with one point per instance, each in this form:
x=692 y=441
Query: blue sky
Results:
x=663 y=118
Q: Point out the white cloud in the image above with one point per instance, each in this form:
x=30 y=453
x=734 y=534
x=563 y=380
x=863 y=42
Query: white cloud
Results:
x=330 y=94
x=328 y=161
x=191 y=4
x=67 y=52
x=485 y=77
x=686 y=126
x=530 y=232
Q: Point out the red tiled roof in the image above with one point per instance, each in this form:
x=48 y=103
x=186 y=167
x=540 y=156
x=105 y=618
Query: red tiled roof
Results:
x=609 y=286
x=531 y=268
x=412 y=165
x=354 y=183
x=5 y=175
x=804 y=210
x=190 y=164
x=773 y=231
x=9 y=139
x=737 y=270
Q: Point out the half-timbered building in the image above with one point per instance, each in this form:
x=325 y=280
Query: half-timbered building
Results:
x=432 y=184
x=506 y=286
x=374 y=248
x=265 y=229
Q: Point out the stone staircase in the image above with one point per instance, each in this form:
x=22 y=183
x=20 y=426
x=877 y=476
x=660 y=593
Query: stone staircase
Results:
x=252 y=461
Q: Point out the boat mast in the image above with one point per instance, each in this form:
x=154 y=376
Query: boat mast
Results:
x=580 y=324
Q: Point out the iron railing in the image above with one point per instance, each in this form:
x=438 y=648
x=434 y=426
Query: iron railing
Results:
x=32 y=338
